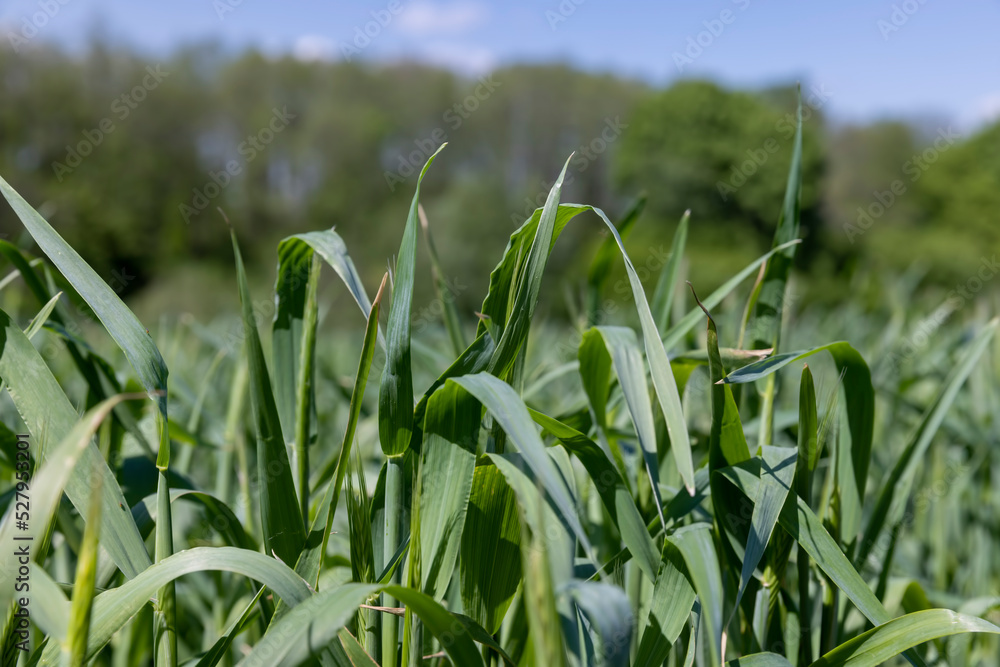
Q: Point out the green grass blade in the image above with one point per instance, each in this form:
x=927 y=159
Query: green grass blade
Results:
x=666 y=285
x=691 y=548
x=310 y=561
x=498 y=306
x=858 y=390
x=113 y=608
x=600 y=266
x=612 y=489
x=766 y=319
x=308 y=628
x=281 y=520
x=760 y=660
x=527 y=284
x=449 y=313
x=50 y=417
x=659 y=369
x=395 y=399
x=395 y=396
x=123 y=326
x=676 y=333
x=609 y=612
x=776 y=475
x=669 y=609
x=510 y=412
x=295 y=258
x=808 y=459
x=896 y=636
x=447 y=466
x=39 y=320
x=623 y=349
x=896 y=488
x=83 y=586
x=490 y=564
x=305 y=390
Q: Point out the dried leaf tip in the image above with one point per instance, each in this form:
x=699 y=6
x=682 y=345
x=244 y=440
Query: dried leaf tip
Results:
x=224 y=217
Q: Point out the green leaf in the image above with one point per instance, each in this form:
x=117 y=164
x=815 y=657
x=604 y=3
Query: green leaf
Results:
x=669 y=609
x=611 y=488
x=490 y=567
x=896 y=636
x=776 y=474
x=310 y=561
x=308 y=628
x=280 y=518
x=39 y=320
x=50 y=418
x=760 y=660
x=609 y=612
x=445 y=475
x=42 y=494
x=666 y=286
x=295 y=256
x=858 y=391
x=528 y=284
x=123 y=326
x=395 y=395
x=691 y=549
x=620 y=345
x=896 y=488
x=449 y=313
x=510 y=412
x=113 y=609
x=600 y=266
x=766 y=318
x=676 y=334
x=659 y=369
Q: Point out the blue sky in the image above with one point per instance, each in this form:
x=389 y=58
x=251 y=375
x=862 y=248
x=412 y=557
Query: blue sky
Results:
x=875 y=58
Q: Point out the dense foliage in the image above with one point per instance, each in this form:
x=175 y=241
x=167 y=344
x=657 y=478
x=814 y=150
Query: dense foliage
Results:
x=667 y=484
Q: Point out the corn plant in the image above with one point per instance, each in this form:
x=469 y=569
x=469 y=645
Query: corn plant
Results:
x=628 y=493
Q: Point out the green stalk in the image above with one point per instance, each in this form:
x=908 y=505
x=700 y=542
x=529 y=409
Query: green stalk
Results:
x=164 y=612
x=86 y=575
x=393 y=503
x=304 y=389
x=234 y=420
x=765 y=433
x=184 y=460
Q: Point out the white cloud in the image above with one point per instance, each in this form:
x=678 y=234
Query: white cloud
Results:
x=314 y=48
x=422 y=17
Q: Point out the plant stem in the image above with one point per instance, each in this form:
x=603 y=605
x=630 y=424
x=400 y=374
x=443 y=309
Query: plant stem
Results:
x=304 y=389
x=393 y=505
